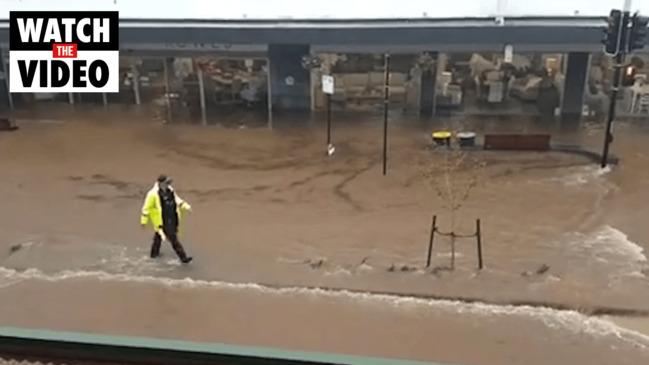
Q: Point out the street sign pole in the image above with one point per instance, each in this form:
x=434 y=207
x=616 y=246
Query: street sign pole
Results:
x=386 y=104
x=328 y=89
x=328 y=120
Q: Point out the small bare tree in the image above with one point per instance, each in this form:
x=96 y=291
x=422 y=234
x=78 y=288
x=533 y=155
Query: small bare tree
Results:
x=453 y=176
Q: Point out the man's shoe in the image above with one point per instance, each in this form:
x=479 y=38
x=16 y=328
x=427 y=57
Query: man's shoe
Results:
x=186 y=260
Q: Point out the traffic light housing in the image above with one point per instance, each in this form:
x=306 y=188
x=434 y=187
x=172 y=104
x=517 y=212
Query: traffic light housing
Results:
x=613 y=33
x=639 y=30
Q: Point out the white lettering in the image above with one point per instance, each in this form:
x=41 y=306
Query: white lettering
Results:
x=101 y=30
x=68 y=23
x=85 y=38
x=30 y=31
x=52 y=33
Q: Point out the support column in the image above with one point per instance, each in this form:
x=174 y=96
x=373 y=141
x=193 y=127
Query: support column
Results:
x=5 y=69
x=575 y=85
x=290 y=83
x=440 y=66
x=201 y=90
x=71 y=98
x=427 y=89
x=104 y=99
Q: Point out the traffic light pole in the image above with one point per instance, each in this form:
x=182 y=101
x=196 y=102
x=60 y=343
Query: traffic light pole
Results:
x=328 y=121
x=608 y=137
x=624 y=34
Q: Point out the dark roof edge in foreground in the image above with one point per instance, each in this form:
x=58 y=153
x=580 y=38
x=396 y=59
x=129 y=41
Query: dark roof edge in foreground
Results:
x=368 y=23
x=358 y=20
x=33 y=343
x=578 y=21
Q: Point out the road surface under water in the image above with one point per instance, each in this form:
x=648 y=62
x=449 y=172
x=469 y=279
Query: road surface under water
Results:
x=298 y=250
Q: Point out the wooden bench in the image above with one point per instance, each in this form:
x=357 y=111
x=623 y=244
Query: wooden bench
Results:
x=532 y=142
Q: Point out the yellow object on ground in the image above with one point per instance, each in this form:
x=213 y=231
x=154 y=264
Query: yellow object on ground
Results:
x=441 y=135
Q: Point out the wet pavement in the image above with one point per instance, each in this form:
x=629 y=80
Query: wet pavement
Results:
x=275 y=218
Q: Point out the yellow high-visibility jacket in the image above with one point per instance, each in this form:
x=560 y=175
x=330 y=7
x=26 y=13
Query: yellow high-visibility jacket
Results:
x=152 y=209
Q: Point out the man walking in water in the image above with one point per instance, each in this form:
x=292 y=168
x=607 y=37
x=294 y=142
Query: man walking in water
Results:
x=163 y=209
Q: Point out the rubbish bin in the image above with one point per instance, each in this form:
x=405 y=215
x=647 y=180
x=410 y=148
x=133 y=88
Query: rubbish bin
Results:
x=442 y=138
x=466 y=139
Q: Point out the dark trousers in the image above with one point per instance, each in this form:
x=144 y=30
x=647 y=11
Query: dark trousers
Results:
x=172 y=236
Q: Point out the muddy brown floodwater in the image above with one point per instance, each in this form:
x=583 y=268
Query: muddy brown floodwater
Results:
x=298 y=250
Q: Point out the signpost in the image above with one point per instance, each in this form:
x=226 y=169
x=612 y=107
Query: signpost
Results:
x=386 y=104
x=328 y=89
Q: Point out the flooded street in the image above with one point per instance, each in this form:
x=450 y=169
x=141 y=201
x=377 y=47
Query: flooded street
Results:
x=299 y=250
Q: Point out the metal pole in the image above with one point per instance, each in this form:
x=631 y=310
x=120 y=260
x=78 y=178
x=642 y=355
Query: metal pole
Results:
x=627 y=5
x=433 y=227
x=386 y=102
x=270 y=96
x=328 y=120
x=435 y=99
x=478 y=234
x=608 y=137
x=136 y=85
x=201 y=86
x=313 y=76
x=71 y=98
x=104 y=98
x=452 y=250
x=167 y=91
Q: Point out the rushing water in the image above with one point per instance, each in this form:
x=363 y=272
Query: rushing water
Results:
x=329 y=246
